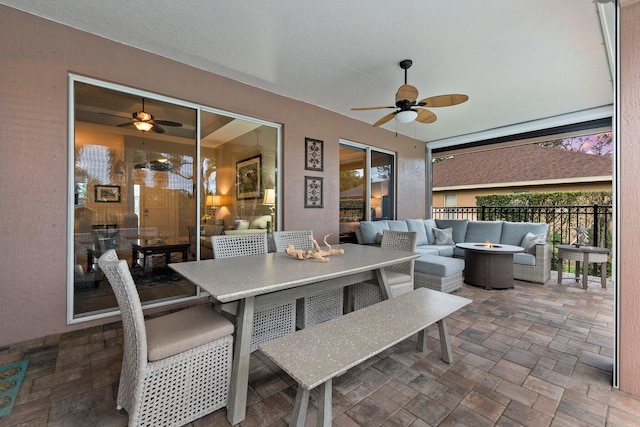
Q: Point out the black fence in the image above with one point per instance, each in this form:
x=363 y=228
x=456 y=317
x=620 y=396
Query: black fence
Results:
x=561 y=220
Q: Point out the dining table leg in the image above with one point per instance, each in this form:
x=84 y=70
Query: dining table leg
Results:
x=385 y=289
x=237 y=405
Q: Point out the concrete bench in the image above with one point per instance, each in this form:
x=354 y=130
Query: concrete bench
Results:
x=438 y=273
x=314 y=356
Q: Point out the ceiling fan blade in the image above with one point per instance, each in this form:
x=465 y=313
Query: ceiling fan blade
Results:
x=407 y=92
x=156 y=127
x=385 y=119
x=121 y=125
x=372 y=108
x=443 y=100
x=168 y=123
x=425 y=116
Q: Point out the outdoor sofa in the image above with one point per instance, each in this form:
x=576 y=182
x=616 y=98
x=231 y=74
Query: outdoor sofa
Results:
x=438 y=237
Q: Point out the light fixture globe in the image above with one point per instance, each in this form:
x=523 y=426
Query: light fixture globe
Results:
x=406 y=116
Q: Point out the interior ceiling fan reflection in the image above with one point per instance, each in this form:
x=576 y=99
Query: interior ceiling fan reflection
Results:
x=145 y=122
x=408 y=108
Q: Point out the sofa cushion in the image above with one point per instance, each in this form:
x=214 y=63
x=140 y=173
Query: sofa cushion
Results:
x=435 y=265
x=483 y=231
x=370 y=229
x=417 y=225
x=397 y=225
x=444 y=250
x=260 y=222
x=530 y=240
x=444 y=236
x=429 y=225
x=427 y=250
x=459 y=228
x=242 y=224
x=524 y=259
x=514 y=232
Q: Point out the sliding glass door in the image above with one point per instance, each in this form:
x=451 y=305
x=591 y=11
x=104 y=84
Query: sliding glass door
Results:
x=153 y=178
x=367 y=186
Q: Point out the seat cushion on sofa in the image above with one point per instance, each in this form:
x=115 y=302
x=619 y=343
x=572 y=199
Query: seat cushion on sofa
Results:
x=427 y=250
x=429 y=225
x=484 y=231
x=444 y=250
x=524 y=259
x=439 y=266
x=417 y=225
x=370 y=229
x=459 y=228
x=514 y=232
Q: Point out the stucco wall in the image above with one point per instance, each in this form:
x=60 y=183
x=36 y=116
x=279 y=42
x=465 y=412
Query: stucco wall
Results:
x=35 y=59
x=629 y=203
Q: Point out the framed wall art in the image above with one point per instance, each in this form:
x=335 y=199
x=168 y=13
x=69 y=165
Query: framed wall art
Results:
x=313 y=192
x=248 y=178
x=107 y=193
x=314 y=154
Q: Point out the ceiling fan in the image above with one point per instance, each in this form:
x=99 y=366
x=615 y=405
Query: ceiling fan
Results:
x=145 y=122
x=408 y=109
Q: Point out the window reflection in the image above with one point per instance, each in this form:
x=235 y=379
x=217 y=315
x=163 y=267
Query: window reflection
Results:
x=147 y=195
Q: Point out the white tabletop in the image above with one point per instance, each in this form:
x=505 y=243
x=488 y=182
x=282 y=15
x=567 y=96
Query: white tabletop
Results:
x=231 y=279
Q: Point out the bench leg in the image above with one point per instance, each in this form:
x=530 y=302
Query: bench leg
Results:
x=422 y=341
x=324 y=404
x=300 y=408
x=445 y=345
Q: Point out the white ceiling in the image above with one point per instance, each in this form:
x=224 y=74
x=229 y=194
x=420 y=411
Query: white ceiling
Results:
x=520 y=61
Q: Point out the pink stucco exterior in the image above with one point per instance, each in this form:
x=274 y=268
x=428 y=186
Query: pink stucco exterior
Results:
x=35 y=60
x=629 y=200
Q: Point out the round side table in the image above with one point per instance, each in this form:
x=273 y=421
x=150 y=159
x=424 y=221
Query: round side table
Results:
x=584 y=255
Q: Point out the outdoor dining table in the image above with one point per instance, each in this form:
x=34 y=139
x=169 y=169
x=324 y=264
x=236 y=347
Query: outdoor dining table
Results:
x=264 y=280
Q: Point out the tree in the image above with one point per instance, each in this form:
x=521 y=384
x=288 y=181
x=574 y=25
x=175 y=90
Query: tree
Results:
x=598 y=144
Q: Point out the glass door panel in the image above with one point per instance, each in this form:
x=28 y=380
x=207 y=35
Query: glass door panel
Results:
x=352 y=190
x=134 y=193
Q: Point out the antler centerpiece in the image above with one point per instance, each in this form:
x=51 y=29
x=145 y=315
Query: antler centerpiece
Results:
x=319 y=253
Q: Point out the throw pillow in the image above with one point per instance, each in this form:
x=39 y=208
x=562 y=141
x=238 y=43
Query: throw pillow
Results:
x=444 y=236
x=530 y=240
x=379 y=238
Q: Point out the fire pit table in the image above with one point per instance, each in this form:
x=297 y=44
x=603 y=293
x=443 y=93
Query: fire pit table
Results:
x=489 y=265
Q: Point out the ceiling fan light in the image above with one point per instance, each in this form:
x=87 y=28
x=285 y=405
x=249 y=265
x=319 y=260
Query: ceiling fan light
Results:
x=143 y=126
x=406 y=116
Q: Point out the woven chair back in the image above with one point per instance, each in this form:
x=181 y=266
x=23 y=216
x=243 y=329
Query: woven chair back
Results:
x=239 y=245
x=298 y=238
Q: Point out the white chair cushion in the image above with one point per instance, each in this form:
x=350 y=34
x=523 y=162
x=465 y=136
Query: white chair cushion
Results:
x=394 y=278
x=180 y=331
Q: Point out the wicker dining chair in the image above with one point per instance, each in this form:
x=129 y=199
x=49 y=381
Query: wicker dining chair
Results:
x=400 y=276
x=176 y=368
x=269 y=322
x=316 y=308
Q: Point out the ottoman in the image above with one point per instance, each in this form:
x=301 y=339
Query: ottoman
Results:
x=439 y=273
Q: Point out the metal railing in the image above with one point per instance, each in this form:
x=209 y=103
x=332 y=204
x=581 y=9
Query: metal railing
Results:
x=561 y=219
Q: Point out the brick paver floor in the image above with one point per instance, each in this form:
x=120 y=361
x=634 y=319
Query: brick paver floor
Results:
x=533 y=356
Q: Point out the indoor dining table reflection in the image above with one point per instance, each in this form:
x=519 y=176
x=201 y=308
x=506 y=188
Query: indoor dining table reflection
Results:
x=264 y=280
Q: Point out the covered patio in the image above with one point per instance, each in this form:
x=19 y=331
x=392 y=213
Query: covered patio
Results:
x=534 y=355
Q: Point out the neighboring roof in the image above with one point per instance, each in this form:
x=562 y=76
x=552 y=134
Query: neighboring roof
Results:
x=520 y=164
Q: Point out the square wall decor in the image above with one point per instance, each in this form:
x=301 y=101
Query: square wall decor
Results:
x=314 y=154
x=313 y=192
